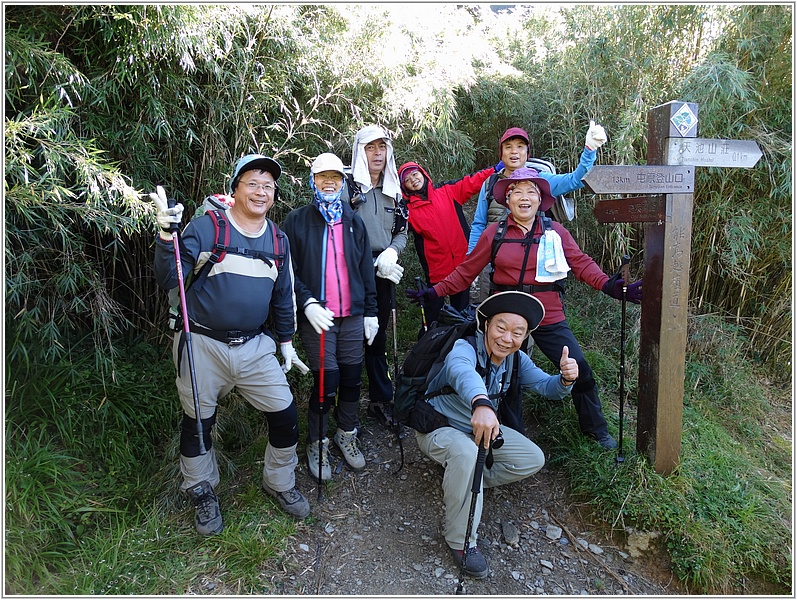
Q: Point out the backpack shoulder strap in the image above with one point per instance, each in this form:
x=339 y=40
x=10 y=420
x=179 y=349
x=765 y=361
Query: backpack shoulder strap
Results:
x=220 y=247
x=498 y=239
x=356 y=196
x=278 y=240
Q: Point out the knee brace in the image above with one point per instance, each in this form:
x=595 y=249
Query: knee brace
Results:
x=189 y=440
x=350 y=382
x=331 y=381
x=283 y=427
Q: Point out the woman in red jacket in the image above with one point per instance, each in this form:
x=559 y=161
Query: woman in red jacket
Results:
x=439 y=228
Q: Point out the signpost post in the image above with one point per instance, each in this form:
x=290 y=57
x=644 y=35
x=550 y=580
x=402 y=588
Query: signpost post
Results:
x=669 y=178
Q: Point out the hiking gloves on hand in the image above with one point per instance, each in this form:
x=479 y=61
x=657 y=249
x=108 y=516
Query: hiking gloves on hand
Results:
x=614 y=288
x=166 y=216
x=291 y=358
x=370 y=327
x=395 y=274
x=596 y=136
x=425 y=295
x=385 y=262
x=319 y=316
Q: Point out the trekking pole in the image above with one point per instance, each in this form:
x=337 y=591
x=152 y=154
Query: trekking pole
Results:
x=475 y=489
x=321 y=416
x=625 y=274
x=419 y=285
x=186 y=330
x=399 y=432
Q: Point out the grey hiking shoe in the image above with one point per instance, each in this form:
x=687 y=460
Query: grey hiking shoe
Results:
x=292 y=501
x=475 y=564
x=208 y=516
x=347 y=442
x=312 y=460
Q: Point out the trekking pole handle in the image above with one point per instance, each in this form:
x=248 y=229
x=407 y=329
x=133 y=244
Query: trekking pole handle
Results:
x=171 y=203
x=477 y=474
x=625 y=271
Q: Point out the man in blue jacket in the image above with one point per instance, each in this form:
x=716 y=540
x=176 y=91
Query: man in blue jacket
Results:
x=503 y=321
x=513 y=150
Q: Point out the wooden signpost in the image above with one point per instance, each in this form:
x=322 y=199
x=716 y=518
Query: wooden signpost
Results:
x=673 y=153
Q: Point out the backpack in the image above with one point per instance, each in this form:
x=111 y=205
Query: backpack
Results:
x=221 y=248
x=422 y=364
x=215 y=206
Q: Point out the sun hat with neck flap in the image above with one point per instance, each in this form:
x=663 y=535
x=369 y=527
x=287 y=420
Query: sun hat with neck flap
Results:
x=524 y=174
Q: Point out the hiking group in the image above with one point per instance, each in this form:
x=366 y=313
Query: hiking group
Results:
x=330 y=275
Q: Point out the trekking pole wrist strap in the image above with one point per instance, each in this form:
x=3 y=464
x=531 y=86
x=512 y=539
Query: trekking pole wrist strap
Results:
x=565 y=381
x=480 y=402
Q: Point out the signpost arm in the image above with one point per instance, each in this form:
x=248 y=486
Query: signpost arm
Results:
x=665 y=294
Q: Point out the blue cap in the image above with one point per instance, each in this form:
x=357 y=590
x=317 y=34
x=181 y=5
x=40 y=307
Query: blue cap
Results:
x=254 y=161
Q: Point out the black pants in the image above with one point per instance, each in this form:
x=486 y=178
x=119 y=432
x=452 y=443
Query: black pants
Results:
x=550 y=339
x=380 y=388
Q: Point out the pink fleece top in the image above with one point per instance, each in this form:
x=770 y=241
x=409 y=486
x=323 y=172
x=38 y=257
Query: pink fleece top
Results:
x=338 y=293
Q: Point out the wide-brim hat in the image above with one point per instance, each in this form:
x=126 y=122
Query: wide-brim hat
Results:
x=513 y=132
x=524 y=174
x=327 y=162
x=519 y=303
x=251 y=162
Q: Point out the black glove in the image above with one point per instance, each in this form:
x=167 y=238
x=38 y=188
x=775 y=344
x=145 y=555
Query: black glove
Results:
x=614 y=288
x=426 y=295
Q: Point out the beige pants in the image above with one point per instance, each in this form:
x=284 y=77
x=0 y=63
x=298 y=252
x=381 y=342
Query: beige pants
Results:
x=254 y=371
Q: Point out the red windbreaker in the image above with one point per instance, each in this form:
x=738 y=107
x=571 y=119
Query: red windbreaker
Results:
x=445 y=244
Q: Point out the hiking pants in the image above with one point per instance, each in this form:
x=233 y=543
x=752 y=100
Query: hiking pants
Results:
x=550 y=339
x=343 y=358
x=253 y=369
x=456 y=451
x=380 y=388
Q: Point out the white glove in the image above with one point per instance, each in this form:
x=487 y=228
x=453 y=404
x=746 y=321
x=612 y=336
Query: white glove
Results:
x=291 y=358
x=385 y=262
x=320 y=317
x=164 y=215
x=370 y=327
x=596 y=136
x=394 y=275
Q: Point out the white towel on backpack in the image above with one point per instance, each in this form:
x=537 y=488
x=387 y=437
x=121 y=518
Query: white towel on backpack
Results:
x=551 y=262
x=359 y=162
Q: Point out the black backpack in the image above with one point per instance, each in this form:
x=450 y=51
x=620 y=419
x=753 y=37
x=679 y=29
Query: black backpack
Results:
x=422 y=364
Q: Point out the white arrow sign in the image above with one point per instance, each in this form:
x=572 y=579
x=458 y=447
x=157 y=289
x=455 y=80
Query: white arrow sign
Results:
x=701 y=152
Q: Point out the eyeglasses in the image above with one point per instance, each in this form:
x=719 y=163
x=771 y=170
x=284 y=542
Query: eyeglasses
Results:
x=252 y=186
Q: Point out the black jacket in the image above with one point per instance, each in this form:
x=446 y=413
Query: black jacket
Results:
x=305 y=228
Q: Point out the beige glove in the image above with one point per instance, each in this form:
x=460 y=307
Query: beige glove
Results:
x=370 y=328
x=394 y=275
x=291 y=358
x=164 y=215
x=385 y=262
x=596 y=136
x=319 y=316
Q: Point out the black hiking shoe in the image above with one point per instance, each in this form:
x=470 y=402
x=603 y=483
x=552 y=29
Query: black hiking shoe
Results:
x=607 y=442
x=208 y=516
x=382 y=412
x=476 y=565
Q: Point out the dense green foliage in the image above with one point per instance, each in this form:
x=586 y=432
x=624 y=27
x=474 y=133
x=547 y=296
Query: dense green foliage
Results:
x=104 y=102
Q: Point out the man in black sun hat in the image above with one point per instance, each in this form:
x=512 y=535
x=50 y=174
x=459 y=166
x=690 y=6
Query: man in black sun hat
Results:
x=474 y=377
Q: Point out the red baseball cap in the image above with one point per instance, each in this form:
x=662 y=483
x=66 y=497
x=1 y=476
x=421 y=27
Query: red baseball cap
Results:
x=511 y=133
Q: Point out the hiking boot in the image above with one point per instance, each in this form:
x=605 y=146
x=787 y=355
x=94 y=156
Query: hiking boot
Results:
x=208 y=516
x=292 y=501
x=476 y=565
x=347 y=442
x=607 y=442
x=312 y=460
x=382 y=412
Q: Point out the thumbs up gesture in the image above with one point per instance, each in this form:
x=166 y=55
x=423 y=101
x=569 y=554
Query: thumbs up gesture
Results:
x=568 y=367
x=596 y=136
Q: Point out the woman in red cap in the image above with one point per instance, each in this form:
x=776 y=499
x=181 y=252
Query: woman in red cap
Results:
x=439 y=226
